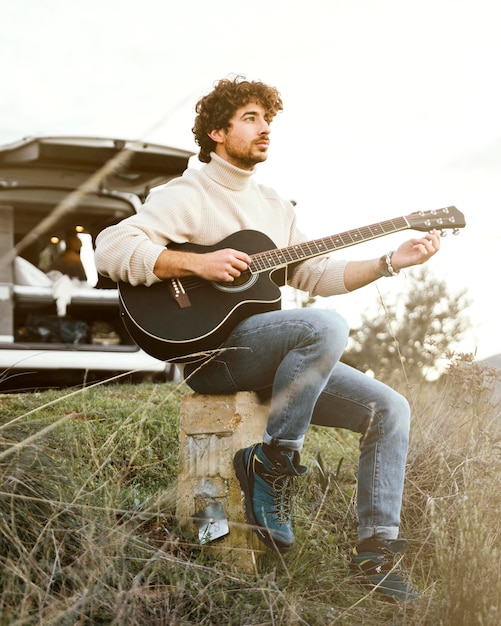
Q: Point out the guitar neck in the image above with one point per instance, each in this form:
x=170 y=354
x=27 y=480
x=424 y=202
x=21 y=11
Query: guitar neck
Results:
x=280 y=257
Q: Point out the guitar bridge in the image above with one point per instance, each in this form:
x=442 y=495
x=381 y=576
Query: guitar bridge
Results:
x=178 y=293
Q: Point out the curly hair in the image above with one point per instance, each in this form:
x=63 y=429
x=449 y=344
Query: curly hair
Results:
x=215 y=110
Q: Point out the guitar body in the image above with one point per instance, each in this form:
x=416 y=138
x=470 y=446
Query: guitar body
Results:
x=164 y=329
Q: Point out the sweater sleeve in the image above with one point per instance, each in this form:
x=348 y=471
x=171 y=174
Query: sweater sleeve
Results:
x=128 y=251
x=319 y=276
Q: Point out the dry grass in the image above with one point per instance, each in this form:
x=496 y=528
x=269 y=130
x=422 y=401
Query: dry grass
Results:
x=88 y=533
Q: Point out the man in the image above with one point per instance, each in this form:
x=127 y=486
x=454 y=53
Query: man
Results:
x=294 y=355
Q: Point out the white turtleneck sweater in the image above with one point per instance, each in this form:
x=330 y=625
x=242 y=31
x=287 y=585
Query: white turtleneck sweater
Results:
x=204 y=206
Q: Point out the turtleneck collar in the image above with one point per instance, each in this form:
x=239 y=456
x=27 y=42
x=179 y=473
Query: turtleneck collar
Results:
x=226 y=174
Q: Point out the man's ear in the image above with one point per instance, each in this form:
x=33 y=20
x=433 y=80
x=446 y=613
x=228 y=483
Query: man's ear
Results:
x=217 y=135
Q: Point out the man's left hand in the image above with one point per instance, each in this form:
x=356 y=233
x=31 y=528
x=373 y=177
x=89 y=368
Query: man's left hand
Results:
x=416 y=251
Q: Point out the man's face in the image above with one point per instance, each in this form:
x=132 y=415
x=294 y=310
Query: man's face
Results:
x=246 y=140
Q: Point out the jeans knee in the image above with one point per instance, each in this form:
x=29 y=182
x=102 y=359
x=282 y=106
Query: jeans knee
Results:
x=332 y=329
x=389 y=421
x=398 y=415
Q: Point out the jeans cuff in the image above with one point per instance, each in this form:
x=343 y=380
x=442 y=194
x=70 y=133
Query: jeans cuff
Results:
x=290 y=444
x=381 y=532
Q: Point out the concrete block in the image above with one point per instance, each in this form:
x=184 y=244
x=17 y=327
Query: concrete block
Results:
x=212 y=429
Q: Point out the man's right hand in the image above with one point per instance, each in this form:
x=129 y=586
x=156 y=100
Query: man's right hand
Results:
x=220 y=266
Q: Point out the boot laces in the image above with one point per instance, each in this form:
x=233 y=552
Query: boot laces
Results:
x=282 y=491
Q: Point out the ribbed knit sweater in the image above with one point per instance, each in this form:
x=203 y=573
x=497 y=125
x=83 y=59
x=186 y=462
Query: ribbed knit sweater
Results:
x=204 y=206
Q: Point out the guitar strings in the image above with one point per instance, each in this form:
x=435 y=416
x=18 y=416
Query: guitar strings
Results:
x=270 y=258
x=281 y=257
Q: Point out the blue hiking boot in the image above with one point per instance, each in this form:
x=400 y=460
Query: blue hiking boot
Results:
x=376 y=564
x=267 y=485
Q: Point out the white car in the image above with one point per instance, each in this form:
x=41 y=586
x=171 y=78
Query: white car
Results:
x=57 y=324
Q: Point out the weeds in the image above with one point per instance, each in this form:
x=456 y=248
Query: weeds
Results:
x=88 y=532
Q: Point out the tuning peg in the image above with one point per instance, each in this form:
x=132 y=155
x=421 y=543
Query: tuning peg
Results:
x=455 y=231
x=443 y=233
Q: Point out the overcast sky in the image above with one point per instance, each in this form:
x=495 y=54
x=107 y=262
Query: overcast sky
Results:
x=390 y=106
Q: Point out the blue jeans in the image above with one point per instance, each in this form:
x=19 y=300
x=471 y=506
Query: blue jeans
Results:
x=294 y=355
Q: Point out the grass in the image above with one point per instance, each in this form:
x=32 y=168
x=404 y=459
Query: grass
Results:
x=88 y=533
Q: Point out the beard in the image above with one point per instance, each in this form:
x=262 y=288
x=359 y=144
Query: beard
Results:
x=244 y=155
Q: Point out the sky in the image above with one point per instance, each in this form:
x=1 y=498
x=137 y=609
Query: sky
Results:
x=390 y=107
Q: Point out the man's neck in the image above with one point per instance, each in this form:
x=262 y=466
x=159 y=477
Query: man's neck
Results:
x=227 y=174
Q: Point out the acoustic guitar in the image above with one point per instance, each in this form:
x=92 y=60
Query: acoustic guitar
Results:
x=181 y=317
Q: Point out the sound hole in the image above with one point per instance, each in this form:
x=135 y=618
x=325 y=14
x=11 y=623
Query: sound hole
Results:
x=242 y=283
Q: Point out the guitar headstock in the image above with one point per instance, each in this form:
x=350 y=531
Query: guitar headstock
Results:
x=441 y=219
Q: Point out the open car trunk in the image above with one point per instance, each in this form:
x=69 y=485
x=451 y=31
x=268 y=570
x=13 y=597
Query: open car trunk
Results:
x=52 y=189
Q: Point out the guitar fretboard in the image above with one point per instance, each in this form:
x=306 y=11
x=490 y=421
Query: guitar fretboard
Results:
x=279 y=257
